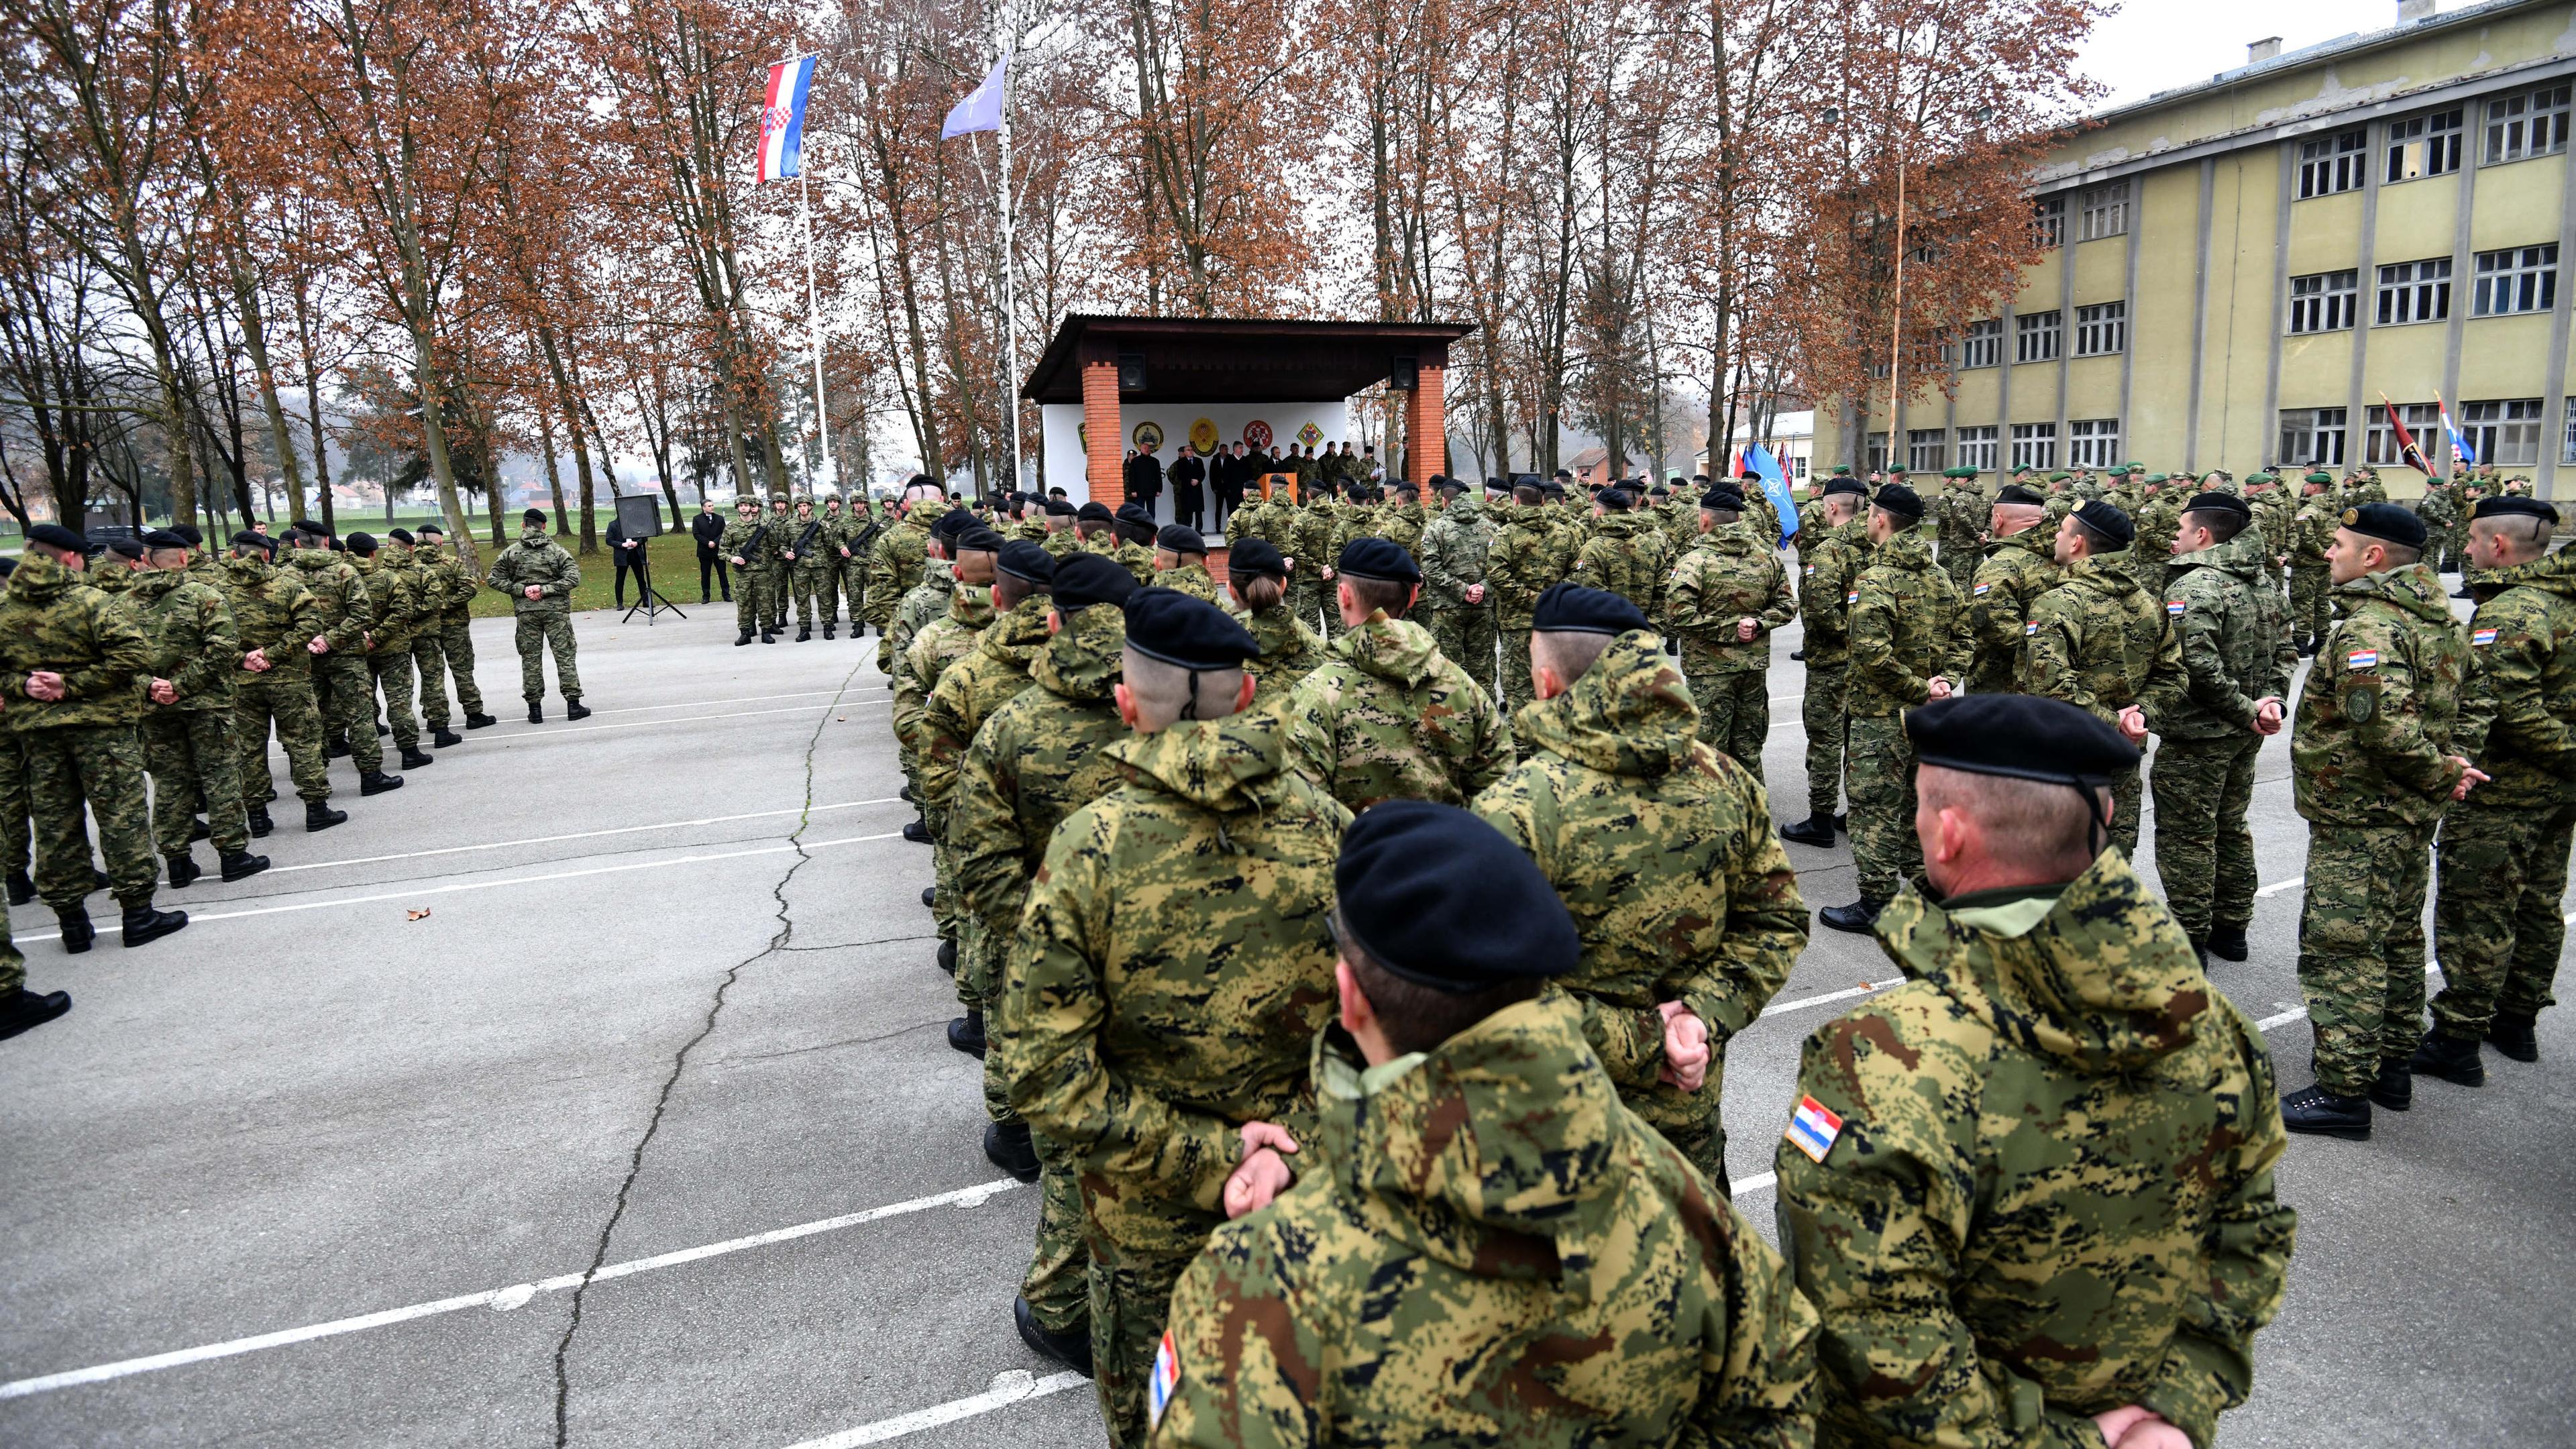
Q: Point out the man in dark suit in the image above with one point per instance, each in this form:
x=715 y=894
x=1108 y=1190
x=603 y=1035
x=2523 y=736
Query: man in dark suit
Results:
x=708 y=530
x=1233 y=469
x=1189 y=502
x=1144 y=479
x=628 y=555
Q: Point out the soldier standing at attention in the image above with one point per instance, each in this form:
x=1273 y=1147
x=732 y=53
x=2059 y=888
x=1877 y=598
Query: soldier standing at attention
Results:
x=738 y=547
x=446 y=642
x=1829 y=562
x=394 y=599
x=1180 y=562
x=2056 y=1101
x=343 y=690
x=1963 y=517
x=73 y=668
x=1626 y=554
x=1904 y=646
x=1135 y=551
x=1385 y=715
x=1662 y=848
x=2311 y=529
x=2373 y=767
x=1727 y=594
x=539 y=577
x=1257 y=578
x=2237 y=661
x=2020 y=565
x=895 y=560
x=2503 y=858
x=772 y=567
x=277 y=624
x=2101 y=642
x=808 y=569
x=940 y=643
x=1058 y=538
x=1171 y=970
x=1517 y=571
x=1455 y=603
x=187 y=721
x=1388 y=1319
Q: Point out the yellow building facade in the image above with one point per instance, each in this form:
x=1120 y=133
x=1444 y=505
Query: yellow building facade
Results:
x=2241 y=268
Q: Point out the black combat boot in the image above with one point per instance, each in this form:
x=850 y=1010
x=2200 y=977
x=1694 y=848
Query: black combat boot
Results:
x=260 y=824
x=2318 y=1112
x=21 y=889
x=479 y=721
x=966 y=1034
x=906 y=796
x=1842 y=825
x=948 y=957
x=575 y=709
x=24 y=1010
x=377 y=782
x=98 y=880
x=383 y=730
x=766 y=637
x=742 y=638
x=917 y=832
x=1855 y=918
x=2226 y=942
x=415 y=759
x=446 y=738
x=1815 y=830
x=336 y=750
x=77 y=931
x=144 y=925
x=1006 y=1146
x=318 y=816
x=1072 y=1348
x=1799 y=654
x=2511 y=1032
x=804 y=633
x=2394 y=1087
x=2453 y=1059
x=198 y=829
x=242 y=865
x=183 y=869
x=827 y=630
x=930 y=898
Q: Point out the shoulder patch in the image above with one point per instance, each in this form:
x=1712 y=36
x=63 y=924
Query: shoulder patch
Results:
x=1809 y=571
x=2483 y=638
x=2174 y=607
x=2029 y=628
x=2361 y=659
x=1166 y=1378
x=1812 y=1130
x=1982 y=590
x=1852 y=598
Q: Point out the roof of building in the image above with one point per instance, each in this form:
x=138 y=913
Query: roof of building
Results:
x=1232 y=359
x=2351 y=43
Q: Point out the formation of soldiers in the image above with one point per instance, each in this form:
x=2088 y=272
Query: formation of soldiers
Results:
x=152 y=658
x=1450 y=807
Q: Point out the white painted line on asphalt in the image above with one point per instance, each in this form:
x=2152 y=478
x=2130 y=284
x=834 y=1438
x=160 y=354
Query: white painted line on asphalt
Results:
x=1755 y=1183
x=1010 y=1386
x=2293 y=883
x=500 y=1299
x=1802 y=1003
x=2300 y=1013
x=737 y=699
x=539 y=732
x=577 y=835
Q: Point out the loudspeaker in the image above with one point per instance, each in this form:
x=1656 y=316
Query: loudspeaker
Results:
x=1131 y=372
x=641 y=513
x=1405 y=374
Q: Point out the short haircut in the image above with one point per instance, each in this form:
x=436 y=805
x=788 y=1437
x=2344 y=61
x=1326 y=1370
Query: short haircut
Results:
x=2038 y=826
x=1527 y=493
x=2095 y=538
x=1163 y=692
x=1010 y=590
x=1419 y=1018
x=1384 y=594
x=2527 y=528
x=974 y=566
x=1841 y=506
x=1090 y=527
x=1722 y=515
x=2222 y=523
x=1571 y=652
x=2398 y=554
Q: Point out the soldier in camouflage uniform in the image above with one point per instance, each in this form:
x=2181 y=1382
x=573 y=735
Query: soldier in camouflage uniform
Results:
x=2020 y=565
x=1626 y=554
x=21 y=1009
x=2502 y=862
x=1386 y=715
x=187 y=714
x=2237 y=661
x=2101 y=642
x=1829 y=562
x=895 y=560
x=1391 y=1322
x=1725 y=597
x=2158 y=517
x=939 y=643
x=1455 y=605
x=744 y=539
x=1058 y=538
x=1400 y=516
x=72 y=670
x=2311 y=529
x=1135 y=550
x=1170 y=972
x=808 y=569
x=393 y=596
x=1256 y=579
x=2373 y=767
x=1039 y=758
x=275 y=621
x=1905 y=650
x=1518 y=570
x=344 y=690
x=772 y=568
x=2057 y=1100
x=1663 y=849
x=1962 y=510
x=539 y=577
x=1307 y=545
x=449 y=592
x=1180 y=563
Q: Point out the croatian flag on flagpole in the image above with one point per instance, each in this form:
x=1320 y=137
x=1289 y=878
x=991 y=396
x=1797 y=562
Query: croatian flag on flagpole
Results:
x=982 y=108
x=782 y=119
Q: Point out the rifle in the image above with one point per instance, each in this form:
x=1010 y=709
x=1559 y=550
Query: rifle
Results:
x=751 y=546
x=802 y=539
x=867 y=536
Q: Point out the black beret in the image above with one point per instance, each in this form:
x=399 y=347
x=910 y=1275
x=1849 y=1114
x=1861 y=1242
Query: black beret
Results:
x=1185 y=630
x=1059 y=507
x=1446 y=484
x=427 y=528
x=1135 y=513
x=2025 y=736
x=399 y=535
x=8 y=566
x=189 y=532
x=976 y=539
x=125 y=547
x=1726 y=500
x=163 y=538
x=534 y=518
x=1086 y=579
x=1357 y=490
x=1900 y=500
x=1370 y=557
x=1615 y=499
x=1094 y=513
x=2514 y=505
x=1256 y=556
x=2016 y=493
x=2218 y=503
x=1843 y=482
x=1552 y=486
x=1435 y=896
x=361 y=544
x=1022 y=559
x=949 y=525
x=1180 y=538
x=1498 y=485
x=2386 y=522
x=54 y=535
x=2108 y=521
x=260 y=541
x=1574 y=609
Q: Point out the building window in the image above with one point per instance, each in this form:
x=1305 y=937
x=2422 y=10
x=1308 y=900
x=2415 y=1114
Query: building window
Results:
x=2517 y=279
x=2034 y=445
x=2312 y=437
x=2566 y=444
x=2323 y=301
x=1798 y=465
x=2038 y=336
x=2415 y=292
x=2106 y=211
x=2423 y=421
x=2048 y=217
x=1923 y=450
x=1977 y=445
x=2093 y=443
x=1983 y=346
x=2102 y=328
x=2423 y=146
x=1878 y=452
x=2330 y=164
x=2533 y=123
x=2506 y=434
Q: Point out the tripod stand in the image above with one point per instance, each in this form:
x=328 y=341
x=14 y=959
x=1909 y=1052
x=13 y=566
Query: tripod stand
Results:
x=647 y=600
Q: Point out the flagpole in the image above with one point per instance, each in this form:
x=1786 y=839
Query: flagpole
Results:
x=825 y=472
x=1010 y=305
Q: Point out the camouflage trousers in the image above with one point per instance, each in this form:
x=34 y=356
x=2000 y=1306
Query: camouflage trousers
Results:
x=813 y=590
x=1130 y=1293
x=1518 y=690
x=1959 y=560
x=393 y=680
x=1058 y=1285
x=100 y=766
x=1692 y=1123
x=1823 y=716
x=344 y=691
x=286 y=700
x=751 y=616
x=2496 y=925
x=13 y=966
x=1466 y=638
x=1885 y=852
x=2204 y=852
x=773 y=593
x=190 y=755
x=16 y=849
x=2126 y=794
x=850 y=581
x=2310 y=612
x=1734 y=714
x=431 y=652
x=1306 y=600
x=2361 y=948
x=551 y=628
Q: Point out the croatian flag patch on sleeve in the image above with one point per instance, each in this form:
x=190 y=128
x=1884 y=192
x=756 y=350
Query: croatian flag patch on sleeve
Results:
x=2483 y=638
x=1852 y=598
x=2030 y=628
x=2174 y=607
x=2362 y=659
x=1812 y=1129
x=1167 y=1377
x=1982 y=590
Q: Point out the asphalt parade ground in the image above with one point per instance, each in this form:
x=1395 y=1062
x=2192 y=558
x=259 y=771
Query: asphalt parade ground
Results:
x=592 y=1090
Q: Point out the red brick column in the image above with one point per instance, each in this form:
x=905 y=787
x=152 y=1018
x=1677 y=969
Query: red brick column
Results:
x=1105 y=446
x=1426 y=437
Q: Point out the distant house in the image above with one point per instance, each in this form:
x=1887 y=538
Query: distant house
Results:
x=1791 y=438
x=1591 y=466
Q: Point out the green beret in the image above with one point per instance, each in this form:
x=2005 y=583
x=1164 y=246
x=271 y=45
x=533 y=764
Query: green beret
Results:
x=1959 y=473
x=2320 y=476
x=2262 y=478
x=2133 y=468
x=2059 y=477
x=1842 y=470
x=2155 y=477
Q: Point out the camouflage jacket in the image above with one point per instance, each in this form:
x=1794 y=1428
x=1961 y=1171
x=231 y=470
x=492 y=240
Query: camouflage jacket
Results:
x=817 y=555
x=2017 y=569
x=1477 y=1232
x=188 y=633
x=1193 y=580
x=1252 y=520
x=2101 y=642
x=1290 y=650
x=2371 y=744
x=273 y=614
x=736 y=542
x=534 y=559
x=2039 y=1185
x=894 y=566
x=1904 y=616
x=1350 y=521
x=1138 y=561
x=928 y=600
x=1965 y=512
x=1401 y=524
x=1663 y=849
x=1170 y=970
x=1629 y=557
x=1061 y=543
x=1312 y=532
x=2518 y=713
x=2233 y=632
x=1454 y=546
x=1729 y=575
x=1386 y=716
x=341 y=604
x=981 y=681
x=2311 y=529
x=1518 y=565
x=1827 y=569
x=52 y=620
x=939 y=643
x=2157 y=520
x=444 y=584
x=393 y=592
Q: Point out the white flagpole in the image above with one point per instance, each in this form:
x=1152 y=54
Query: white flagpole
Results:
x=1010 y=306
x=824 y=472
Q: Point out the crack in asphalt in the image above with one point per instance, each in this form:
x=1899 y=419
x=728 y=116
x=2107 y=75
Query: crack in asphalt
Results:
x=679 y=1063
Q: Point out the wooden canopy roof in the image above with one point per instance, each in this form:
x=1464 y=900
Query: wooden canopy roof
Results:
x=1234 y=359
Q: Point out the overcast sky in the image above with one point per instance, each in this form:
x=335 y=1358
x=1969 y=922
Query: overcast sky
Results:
x=2155 y=45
